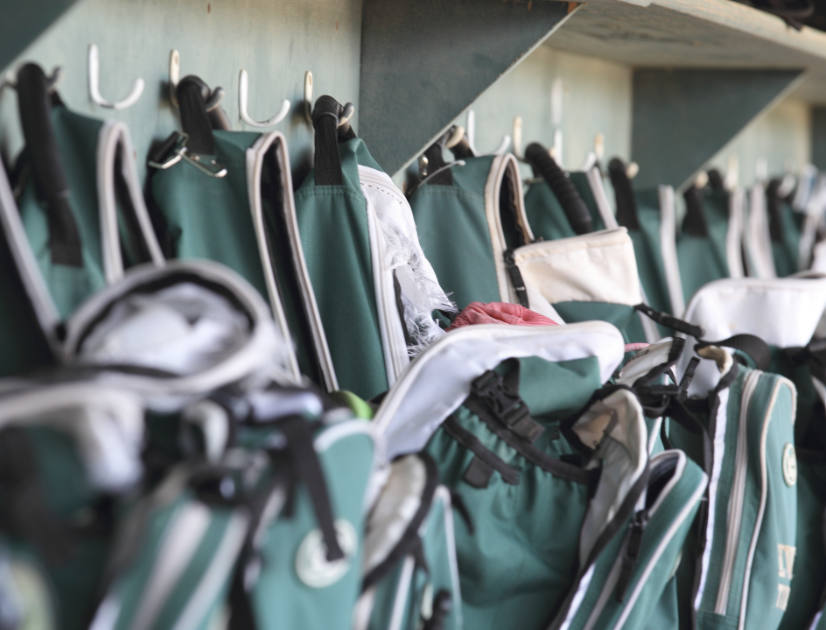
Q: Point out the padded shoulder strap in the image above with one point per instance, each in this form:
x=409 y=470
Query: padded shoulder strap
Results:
x=34 y=105
x=544 y=166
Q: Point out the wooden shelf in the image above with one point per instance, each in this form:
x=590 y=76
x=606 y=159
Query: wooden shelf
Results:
x=695 y=33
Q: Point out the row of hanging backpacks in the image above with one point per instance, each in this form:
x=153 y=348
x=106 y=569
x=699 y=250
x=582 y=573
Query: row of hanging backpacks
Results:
x=735 y=421
x=235 y=492
x=511 y=475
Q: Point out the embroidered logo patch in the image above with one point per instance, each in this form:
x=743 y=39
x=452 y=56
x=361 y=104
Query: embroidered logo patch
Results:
x=311 y=563
x=789 y=465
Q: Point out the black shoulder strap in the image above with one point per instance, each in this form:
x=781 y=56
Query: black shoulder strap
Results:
x=194 y=117
x=49 y=177
x=774 y=210
x=545 y=166
x=695 y=221
x=327 y=162
x=626 y=203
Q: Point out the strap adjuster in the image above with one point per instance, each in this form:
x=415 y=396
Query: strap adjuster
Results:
x=508 y=407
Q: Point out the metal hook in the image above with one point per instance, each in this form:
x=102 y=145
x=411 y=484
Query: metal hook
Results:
x=8 y=80
x=243 y=101
x=517 y=138
x=308 y=97
x=94 y=85
x=215 y=96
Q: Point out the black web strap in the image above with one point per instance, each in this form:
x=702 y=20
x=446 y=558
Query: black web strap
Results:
x=545 y=166
x=34 y=103
x=327 y=162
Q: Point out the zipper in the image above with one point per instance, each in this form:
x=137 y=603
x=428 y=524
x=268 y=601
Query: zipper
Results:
x=735 y=513
x=515 y=276
x=631 y=555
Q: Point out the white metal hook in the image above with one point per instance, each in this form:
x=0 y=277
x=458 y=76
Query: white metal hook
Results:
x=517 y=138
x=94 y=85
x=308 y=97
x=243 y=101
x=471 y=130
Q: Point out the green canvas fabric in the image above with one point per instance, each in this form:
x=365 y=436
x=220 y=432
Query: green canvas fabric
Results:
x=649 y=248
x=545 y=213
x=744 y=571
x=80 y=141
x=583 y=182
x=466 y=224
x=209 y=217
x=24 y=339
x=410 y=573
x=341 y=271
x=546 y=216
x=625 y=593
x=785 y=234
x=70 y=462
x=239 y=220
x=509 y=567
x=701 y=251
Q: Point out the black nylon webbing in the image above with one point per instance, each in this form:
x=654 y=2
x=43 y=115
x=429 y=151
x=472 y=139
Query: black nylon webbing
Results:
x=34 y=105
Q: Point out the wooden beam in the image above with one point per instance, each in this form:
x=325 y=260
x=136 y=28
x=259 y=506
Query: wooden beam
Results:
x=683 y=117
x=424 y=62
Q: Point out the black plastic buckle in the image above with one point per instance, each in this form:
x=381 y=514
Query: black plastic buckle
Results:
x=506 y=405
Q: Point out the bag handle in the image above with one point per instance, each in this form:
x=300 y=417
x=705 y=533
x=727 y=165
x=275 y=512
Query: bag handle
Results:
x=695 y=221
x=195 y=119
x=624 y=195
x=327 y=162
x=545 y=166
x=34 y=106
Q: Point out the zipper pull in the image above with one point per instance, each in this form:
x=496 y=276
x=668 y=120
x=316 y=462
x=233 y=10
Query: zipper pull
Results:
x=632 y=553
x=515 y=276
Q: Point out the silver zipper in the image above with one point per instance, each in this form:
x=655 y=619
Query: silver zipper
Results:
x=735 y=514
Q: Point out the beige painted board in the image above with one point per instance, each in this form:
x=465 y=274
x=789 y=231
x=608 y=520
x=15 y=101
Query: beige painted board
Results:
x=695 y=33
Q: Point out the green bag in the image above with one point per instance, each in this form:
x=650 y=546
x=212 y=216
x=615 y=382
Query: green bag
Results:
x=625 y=587
x=498 y=463
x=80 y=201
x=71 y=457
x=708 y=242
x=227 y=196
x=649 y=216
x=29 y=323
x=591 y=276
x=785 y=225
x=784 y=313
x=470 y=217
x=374 y=287
x=411 y=578
x=559 y=205
x=747 y=537
x=268 y=533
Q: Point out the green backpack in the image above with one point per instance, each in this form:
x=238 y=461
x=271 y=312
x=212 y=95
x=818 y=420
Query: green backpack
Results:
x=411 y=578
x=747 y=534
x=785 y=227
x=255 y=489
x=374 y=287
x=71 y=459
x=784 y=313
x=498 y=450
x=650 y=217
x=708 y=242
x=470 y=218
x=227 y=196
x=80 y=201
